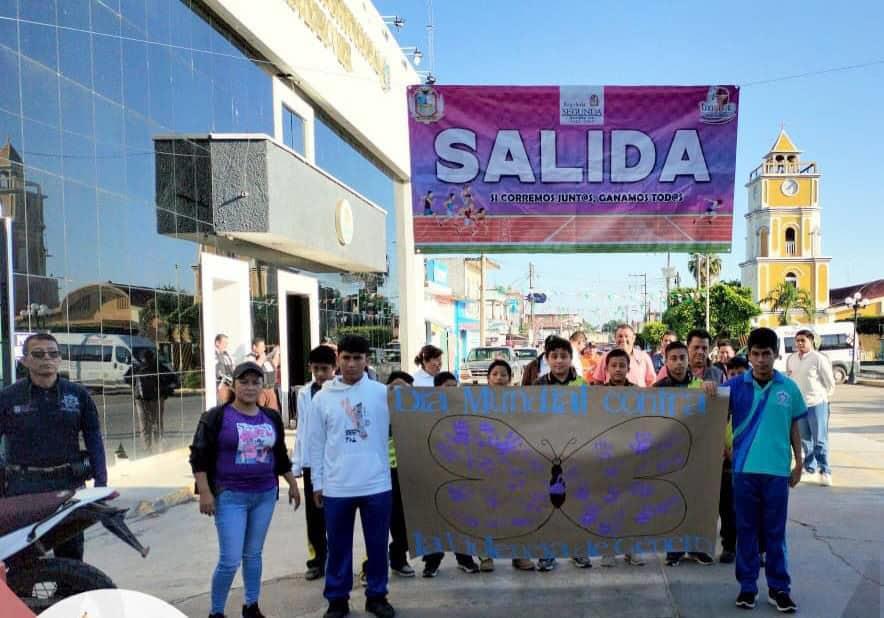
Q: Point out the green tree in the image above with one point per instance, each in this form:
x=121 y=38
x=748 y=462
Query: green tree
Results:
x=610 y=326
x=697 y=266
x=653 y=332
x=731 y=309
x=786 y=298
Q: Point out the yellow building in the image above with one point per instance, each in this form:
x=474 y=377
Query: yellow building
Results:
x=783 y=231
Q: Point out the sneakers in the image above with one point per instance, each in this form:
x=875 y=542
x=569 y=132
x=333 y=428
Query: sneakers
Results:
x=826 y=479
x=632 y=560
x=523 y=564
x=252 y=611
x=314 y=573
x=609 y=561
x=727 y=557
x=546 y=564
x=746 y=600
x=430 y=570
x=486 y=565
x=468 y=566
x=782 y=601
x=673 y=558
x=379 y=607
x=216 y=616
x=337 y=608
x=701 y=558
x=403 y=571
x=581 y=563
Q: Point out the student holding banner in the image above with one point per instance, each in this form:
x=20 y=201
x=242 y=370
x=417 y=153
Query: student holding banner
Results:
x=678 y=375
x=432 y=562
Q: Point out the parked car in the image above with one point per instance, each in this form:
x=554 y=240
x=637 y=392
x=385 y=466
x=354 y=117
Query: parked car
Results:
x=835 y=341
x=475 y=369
x=525 y=355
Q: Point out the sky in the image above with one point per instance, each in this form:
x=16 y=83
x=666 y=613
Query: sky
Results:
x=835 y=118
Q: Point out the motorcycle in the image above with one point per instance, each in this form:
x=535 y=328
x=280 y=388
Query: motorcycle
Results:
x=32 y=525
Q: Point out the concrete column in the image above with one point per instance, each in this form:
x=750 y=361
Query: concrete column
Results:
x=411 y=289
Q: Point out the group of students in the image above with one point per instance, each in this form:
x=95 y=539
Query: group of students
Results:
x=346 y=454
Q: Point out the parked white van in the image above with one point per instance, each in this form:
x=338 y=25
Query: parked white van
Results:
x=98 y=360
x=835 y=340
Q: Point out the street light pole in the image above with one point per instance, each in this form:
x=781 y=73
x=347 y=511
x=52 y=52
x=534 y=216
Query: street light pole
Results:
x=855 y=302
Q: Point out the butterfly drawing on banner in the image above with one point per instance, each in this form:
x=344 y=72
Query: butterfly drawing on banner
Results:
x=610 y=485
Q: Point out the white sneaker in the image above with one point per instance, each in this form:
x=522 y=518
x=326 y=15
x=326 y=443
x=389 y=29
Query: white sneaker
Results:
x=826 y=479
x=609 y=561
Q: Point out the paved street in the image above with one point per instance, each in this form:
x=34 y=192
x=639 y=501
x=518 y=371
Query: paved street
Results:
x=835 y=543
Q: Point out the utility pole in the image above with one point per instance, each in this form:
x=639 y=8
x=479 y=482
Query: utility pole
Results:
x=531 y=295
x=668 y=274
x=646 y=308
x=482 y=300
x=707 y=292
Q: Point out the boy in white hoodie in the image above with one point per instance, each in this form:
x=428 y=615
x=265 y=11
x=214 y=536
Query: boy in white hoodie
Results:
x=349 y=429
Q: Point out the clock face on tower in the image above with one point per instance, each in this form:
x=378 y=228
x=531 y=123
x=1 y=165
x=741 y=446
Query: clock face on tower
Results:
x=789 y=187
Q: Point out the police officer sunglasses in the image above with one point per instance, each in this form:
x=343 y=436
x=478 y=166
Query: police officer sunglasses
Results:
x=45 y=353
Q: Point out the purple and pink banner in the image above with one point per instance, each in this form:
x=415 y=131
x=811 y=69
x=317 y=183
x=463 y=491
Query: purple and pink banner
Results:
x=573 y=168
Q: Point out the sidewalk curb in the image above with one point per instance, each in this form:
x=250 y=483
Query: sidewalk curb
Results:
x=870 y=382
x=148 y=508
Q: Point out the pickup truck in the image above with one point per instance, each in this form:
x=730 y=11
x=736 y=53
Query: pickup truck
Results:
x=475 y=369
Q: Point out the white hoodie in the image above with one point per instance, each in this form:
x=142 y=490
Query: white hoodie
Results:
x=301 y=452
x=349 y=431
x=423 y=378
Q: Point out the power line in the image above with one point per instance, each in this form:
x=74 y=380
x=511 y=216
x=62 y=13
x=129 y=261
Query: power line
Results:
x=783 y=78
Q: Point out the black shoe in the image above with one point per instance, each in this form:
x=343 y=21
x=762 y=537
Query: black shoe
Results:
x=337 y=609
x=430 y=570
x=746 y=600
x=727 y=557
x=782 y=601
x=673 y=558
x=468 y=566
x=379 y=607
x=314 y=573
x=252 y=611
x=403 y=571
x=216 y=616
x=701 y=558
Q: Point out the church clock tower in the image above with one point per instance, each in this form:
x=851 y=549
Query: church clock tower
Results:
x=783 y=233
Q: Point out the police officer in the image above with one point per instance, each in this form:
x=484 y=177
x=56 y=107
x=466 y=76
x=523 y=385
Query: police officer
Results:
x=41 y=419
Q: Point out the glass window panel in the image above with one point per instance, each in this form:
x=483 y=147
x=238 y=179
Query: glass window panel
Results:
x=74 y=14
x=222 y=109
x=76 y=108
x=10 y=130
x=108 y=59
x=79 y=158
x=158 y=28
x=135 y=12
x=9 y=99
x=138 y=131
x=39 y=87
x=105 y=18
x=109 y=121
x=185 y=185
x=161 y=94
x=187 y=114
x=9 y=34
x=38 y=10
x=110 y=167
x=293 y=130
x=42 y=146
x=75 y=55
x=42 y=225
x=39 y=43
x=9 y=8
x=140 y=176
x=201 y=30
x=81 y=233
x=115 y=250
x=182 y=17
x=135 y=86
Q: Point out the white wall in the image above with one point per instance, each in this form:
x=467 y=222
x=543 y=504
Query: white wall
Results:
x=355 y=99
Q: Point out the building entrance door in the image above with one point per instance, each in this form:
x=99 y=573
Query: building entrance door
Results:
x=225 y=305
x=298 y=333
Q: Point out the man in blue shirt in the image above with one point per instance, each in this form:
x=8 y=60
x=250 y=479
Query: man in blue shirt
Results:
x=41 y=419
x=766 y=406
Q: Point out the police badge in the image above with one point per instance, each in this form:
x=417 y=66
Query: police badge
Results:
x=426 y=104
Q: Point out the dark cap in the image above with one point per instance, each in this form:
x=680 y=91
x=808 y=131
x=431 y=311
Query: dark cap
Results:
x=247 y=367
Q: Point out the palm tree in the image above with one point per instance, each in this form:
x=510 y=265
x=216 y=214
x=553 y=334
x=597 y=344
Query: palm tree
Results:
x=786 y=297
x=697 y=266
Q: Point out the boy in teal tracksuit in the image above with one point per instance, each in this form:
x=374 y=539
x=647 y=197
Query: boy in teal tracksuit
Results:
x=766 y=406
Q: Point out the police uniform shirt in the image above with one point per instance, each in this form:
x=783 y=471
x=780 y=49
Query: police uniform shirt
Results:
x=41 y=427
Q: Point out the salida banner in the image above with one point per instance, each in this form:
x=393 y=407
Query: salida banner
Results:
x=546 y=471
x=573 y=168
